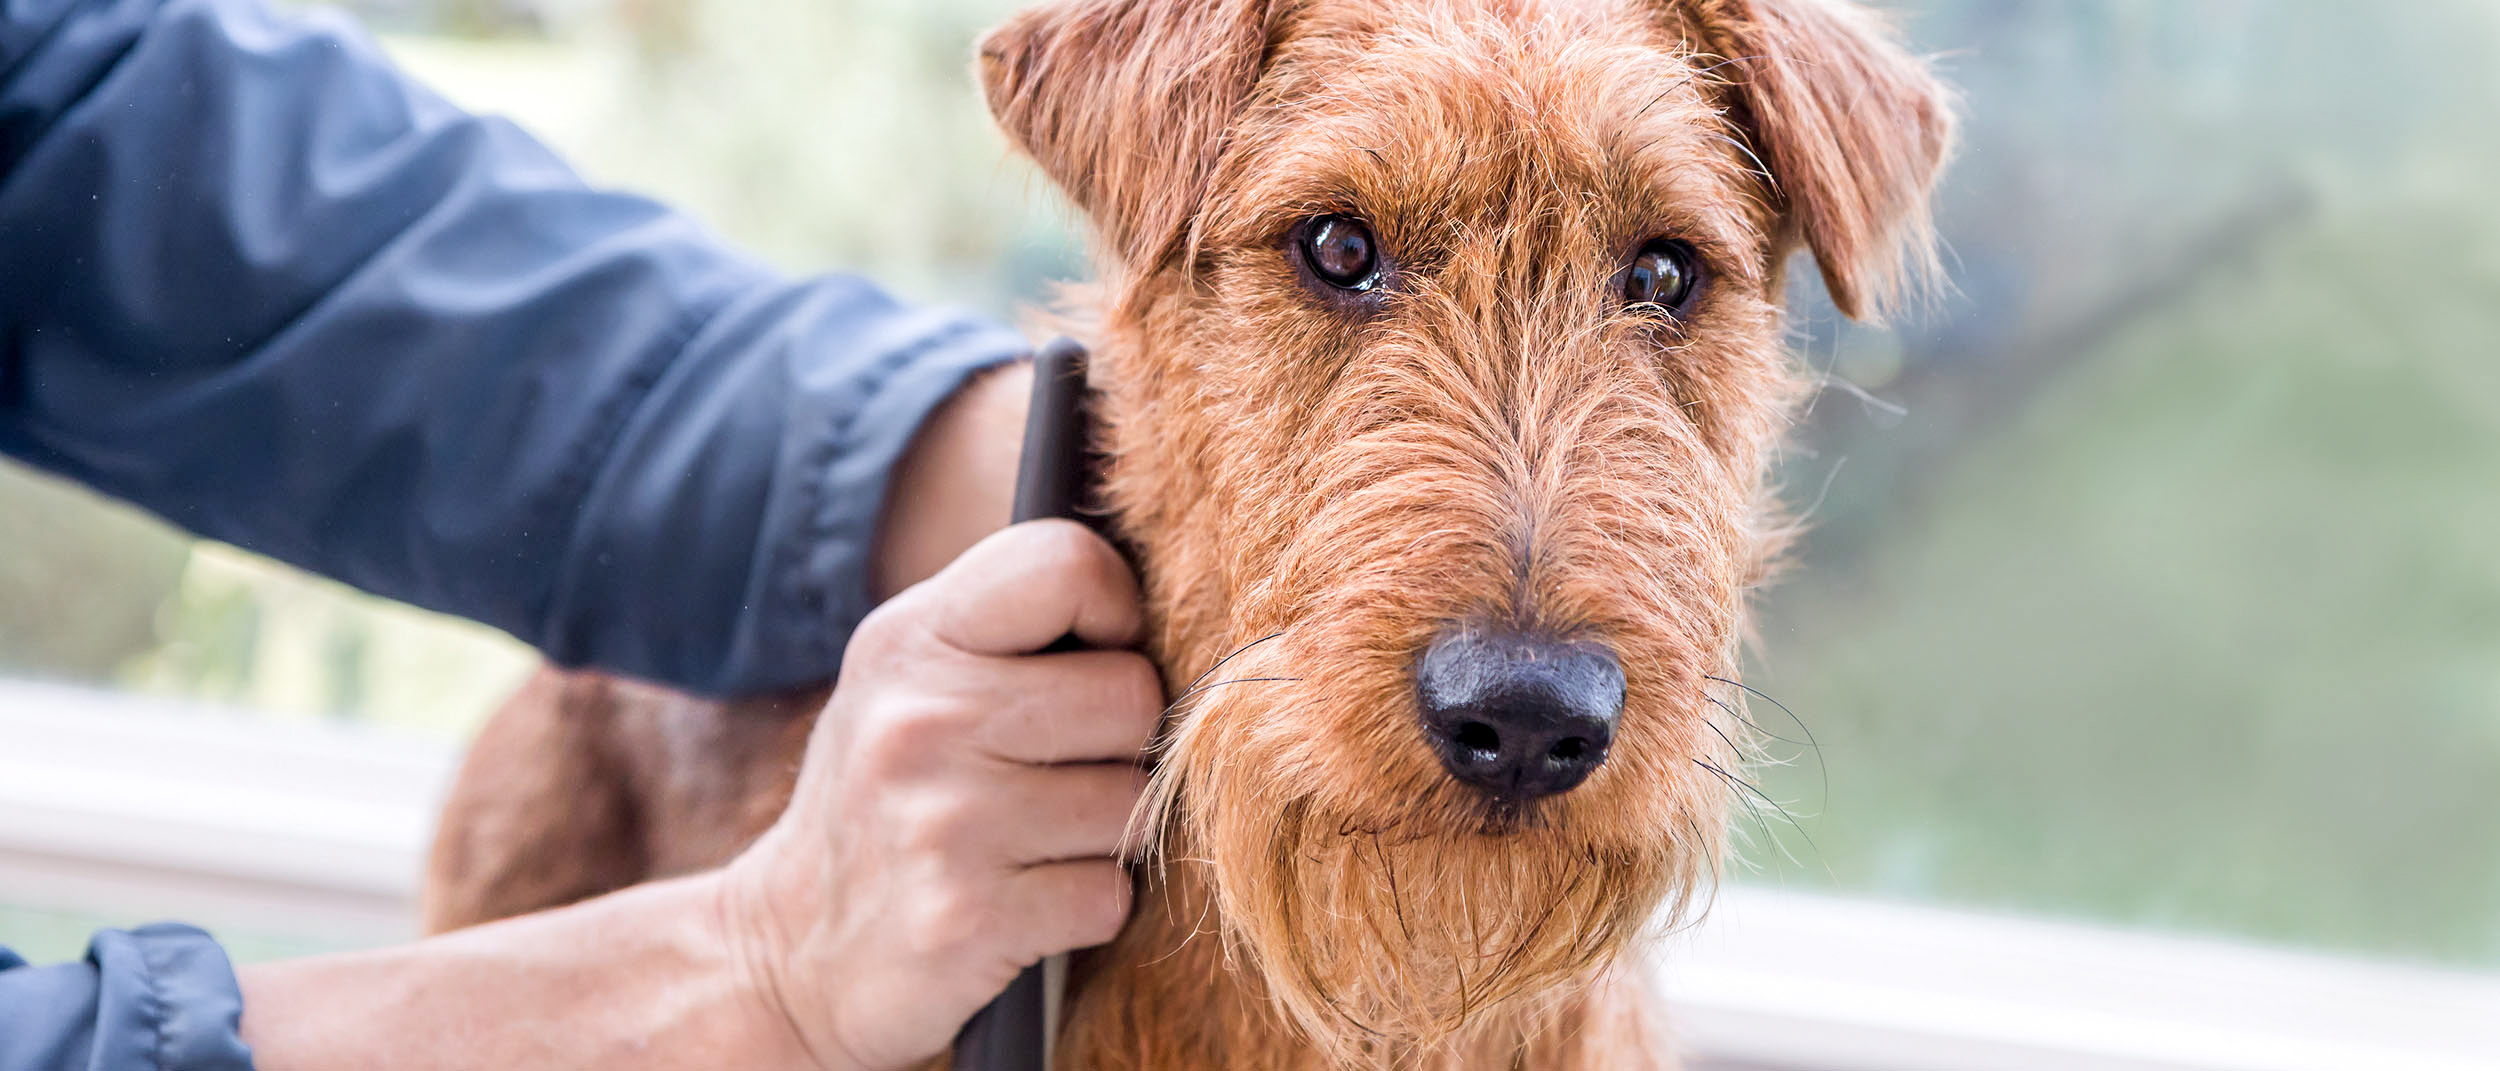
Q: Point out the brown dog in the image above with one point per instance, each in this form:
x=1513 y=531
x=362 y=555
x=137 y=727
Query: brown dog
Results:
x=1440 y=353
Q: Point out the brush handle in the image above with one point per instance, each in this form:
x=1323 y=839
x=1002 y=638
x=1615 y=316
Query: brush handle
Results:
x=1056 y=470
x=1017 y=1031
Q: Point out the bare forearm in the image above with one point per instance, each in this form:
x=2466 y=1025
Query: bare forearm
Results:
x=645 y=978
x=956 y=483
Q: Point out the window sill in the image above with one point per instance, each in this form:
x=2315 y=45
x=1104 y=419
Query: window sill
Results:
x=129 y=807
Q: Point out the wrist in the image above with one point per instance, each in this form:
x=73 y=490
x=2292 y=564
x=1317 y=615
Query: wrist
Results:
x=772 y=1011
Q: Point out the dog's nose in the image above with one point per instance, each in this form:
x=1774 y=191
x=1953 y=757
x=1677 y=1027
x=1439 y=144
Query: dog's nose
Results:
x=1518 y=716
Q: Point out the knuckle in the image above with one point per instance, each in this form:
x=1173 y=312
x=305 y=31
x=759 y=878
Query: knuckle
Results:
x=935 y=830
x=947 y=921
x=1066 y=547
x=884 y=633
x=909 y=737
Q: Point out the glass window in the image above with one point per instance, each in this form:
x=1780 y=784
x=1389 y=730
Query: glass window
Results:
x=2153 y=574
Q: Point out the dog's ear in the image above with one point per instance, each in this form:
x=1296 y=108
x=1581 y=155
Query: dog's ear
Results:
x=1853 y=128
x=1125 y=104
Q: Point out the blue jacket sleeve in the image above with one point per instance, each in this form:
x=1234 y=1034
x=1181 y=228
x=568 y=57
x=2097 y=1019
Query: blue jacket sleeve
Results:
x=258 y=282
x=158 y=998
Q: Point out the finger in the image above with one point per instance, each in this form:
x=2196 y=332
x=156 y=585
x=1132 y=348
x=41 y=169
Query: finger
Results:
x=1061 y=907
x=1080 y=706
x=1029 y=584
x=1048 y=814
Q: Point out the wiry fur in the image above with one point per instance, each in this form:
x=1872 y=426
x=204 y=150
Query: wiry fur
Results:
x=1314 y=486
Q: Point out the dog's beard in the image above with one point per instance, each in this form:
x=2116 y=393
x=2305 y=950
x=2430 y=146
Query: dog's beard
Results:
x=1411 y=935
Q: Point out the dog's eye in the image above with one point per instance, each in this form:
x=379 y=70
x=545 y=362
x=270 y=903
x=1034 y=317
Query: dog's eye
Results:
x=1340 y=250
x=1665 y=274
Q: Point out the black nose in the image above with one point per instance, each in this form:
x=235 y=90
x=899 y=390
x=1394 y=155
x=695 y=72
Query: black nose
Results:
x=1518 y=716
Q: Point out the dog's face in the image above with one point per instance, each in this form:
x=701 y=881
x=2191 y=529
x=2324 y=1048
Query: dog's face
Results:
x=1441 y=357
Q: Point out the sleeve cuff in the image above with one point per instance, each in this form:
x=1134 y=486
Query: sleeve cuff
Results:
x=166 y=1000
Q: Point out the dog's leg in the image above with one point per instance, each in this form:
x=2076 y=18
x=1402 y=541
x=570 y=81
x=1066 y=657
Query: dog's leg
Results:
x=584 y=784
x=708 y=777
x=542 y=813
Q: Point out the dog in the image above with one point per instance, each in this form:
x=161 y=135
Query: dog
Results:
x=1440 y=355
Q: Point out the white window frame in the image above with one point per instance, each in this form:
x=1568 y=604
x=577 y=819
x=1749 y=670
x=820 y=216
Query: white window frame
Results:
x=120 y=806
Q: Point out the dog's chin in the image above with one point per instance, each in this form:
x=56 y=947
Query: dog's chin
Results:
x=1508 y=817
x=1373 y=934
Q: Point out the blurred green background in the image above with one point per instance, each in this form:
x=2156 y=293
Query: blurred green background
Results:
x=2154 y=576
x=2162 y=586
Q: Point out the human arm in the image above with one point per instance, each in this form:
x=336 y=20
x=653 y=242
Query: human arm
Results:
x=644 y=978
x=956 y=818
x=956 y=483
x=256 y=281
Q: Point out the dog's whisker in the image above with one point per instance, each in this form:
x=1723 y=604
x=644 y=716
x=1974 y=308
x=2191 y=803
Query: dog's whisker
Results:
x=1155 y=810
x=1237 y=652
x=1209 y=687
x=1519 y=946
x=1662 y=95
x=1753 y=812
x=1783 y=707
x=1735 y=751
x=1784 y=814
x=1752 y=724
x=1739 y=782
x=1397 y=903
x=1822 y=769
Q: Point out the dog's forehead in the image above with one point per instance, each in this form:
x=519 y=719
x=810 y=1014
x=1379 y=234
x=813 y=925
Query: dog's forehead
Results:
x=1495 y=111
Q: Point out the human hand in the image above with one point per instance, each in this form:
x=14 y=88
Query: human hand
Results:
x=961 y=803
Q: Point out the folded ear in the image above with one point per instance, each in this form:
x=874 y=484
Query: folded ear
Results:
x=1125 y=104
x=1853 y=127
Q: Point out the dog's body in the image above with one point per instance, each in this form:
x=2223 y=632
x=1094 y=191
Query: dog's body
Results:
x=1439 y=355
